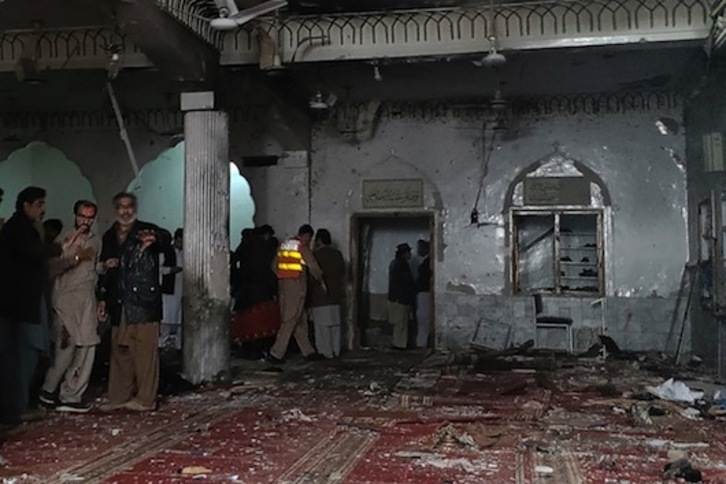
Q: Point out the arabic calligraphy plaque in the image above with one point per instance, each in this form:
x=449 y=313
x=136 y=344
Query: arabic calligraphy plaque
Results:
x=393 y=193
x=556 y=191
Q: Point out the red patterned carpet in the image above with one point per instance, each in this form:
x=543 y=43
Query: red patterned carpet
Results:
x=382 y=418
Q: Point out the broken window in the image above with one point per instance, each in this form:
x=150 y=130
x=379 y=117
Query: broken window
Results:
x=557 y=252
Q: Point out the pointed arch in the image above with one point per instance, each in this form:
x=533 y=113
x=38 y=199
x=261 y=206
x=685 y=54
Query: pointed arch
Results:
x=160 y=189
x=558 y=164
x=47 y=167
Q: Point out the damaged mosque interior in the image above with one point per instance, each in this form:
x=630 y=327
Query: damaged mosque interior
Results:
x=521 y=272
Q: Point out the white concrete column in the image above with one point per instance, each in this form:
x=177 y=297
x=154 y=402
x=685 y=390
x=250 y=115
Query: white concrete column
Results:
x=206 y=295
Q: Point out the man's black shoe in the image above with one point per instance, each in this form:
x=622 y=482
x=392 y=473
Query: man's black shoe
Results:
x=73 y=407
x=273 y=359
x=47 y=398
x=315 y=357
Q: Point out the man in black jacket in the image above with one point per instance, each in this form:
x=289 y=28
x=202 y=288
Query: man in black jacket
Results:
x=401 y=295
x=24 y=332
x=130 y=295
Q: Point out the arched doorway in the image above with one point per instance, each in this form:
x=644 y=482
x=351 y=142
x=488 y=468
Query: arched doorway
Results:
x=160 y=189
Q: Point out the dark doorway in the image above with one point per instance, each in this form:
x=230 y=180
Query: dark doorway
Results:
x=373 y=247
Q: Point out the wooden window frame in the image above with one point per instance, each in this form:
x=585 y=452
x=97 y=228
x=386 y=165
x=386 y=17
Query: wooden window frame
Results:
x=557 y=214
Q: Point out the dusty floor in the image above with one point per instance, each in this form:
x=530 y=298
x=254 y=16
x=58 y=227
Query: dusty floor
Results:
x=386 y=417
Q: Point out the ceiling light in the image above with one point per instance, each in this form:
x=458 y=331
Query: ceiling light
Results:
x=498 y=103
x=26 y=71
x=317 y=103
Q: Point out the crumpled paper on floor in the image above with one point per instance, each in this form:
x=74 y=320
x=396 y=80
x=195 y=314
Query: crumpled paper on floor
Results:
x=675 y=391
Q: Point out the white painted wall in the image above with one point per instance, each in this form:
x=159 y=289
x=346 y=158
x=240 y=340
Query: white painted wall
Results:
x=386 y=235
x=648 y=238
x=641 y=168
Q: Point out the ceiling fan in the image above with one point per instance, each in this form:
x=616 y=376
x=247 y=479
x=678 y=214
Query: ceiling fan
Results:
x=320 y=102
x=231 y=17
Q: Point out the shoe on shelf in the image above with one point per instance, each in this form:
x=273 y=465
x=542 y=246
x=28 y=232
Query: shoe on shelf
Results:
x=269 y=357
x=315 y=357
x=73 y=407
x=47 y=398
x=112 y=407
x=135 y=406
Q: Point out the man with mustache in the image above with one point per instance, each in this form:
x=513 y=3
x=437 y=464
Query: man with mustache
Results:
x=74 y=305
x=130 y=296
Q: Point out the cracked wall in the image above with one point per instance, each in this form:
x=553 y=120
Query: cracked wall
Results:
x=442 y=145
x=647 y=246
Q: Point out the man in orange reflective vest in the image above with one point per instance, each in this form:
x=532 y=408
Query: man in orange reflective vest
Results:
x=293 y=263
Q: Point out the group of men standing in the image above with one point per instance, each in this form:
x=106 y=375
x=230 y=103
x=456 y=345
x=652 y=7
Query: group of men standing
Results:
x=309 y=279
x=92 y=279
x=81 y=279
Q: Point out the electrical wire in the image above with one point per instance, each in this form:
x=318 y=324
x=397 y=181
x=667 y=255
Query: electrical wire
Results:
x=487 y=155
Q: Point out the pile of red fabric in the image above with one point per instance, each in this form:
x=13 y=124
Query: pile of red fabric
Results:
x=258 y=322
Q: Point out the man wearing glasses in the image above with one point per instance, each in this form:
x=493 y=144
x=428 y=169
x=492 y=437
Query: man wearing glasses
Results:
x=74 y=304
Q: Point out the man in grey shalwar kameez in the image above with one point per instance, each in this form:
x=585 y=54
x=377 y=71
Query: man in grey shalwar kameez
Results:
x=76 y=316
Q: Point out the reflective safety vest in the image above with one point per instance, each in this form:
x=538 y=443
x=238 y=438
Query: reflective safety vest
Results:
x=290 y=261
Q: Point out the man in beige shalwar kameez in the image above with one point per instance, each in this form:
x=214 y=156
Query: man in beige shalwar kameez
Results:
x=75 y=311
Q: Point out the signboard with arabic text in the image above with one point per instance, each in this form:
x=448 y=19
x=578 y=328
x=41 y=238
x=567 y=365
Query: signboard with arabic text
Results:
x=393 y=193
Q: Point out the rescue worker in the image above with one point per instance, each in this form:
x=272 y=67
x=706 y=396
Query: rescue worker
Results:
x=293 y=263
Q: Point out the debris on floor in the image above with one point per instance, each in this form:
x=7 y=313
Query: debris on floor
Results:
x=675 y=391
x=681 y=469
x=512 y=416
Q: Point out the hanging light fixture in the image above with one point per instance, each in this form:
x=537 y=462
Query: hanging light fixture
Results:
x=494 y=58
x=26 y=68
